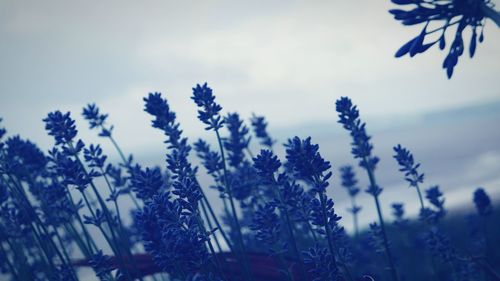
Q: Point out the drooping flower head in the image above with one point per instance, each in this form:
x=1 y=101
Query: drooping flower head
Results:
x=482 y=202
x=60 y=126
x=446 y=13
x=209 y=112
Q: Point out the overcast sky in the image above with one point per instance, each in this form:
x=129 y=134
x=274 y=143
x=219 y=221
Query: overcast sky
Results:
x=288 y=60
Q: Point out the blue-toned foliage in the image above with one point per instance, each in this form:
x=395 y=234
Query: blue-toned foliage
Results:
x=60 y=126
x=408 y=166
x=209 y=112
x=259 y=125
x=482 y=202
x=96 y=119
x=320 y=262
x=101 y=263
x=48 y=230
x=237 y=141
x=445 y=14
x=266 y=224
x=146 y=182
x=361 y=146
x=307 y=163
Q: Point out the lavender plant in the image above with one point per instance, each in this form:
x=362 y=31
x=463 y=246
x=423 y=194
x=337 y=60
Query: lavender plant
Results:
x=65 y=209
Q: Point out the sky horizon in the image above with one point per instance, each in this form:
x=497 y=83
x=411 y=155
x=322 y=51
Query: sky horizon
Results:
x=288 y=61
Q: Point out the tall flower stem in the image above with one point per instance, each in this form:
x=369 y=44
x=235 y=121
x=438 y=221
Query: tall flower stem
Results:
x=322 y=199
x=233 y=210
x=125 y=163
x=209 y=223
x=291 y=235
x=394 y=273
x=355 y=217
x=216 y=221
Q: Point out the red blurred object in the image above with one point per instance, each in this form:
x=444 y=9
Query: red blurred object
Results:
x=263 y=267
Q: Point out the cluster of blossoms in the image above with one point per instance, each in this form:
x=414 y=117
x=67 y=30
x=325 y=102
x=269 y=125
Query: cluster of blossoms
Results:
x=446 y=14
x=67 y=208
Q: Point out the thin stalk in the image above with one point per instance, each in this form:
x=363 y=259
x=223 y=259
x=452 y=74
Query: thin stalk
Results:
x=210 y=246
x=78 y=240
x=17 y=189
x=322 y=199
x=355 y=217
x=290 y=234
x=90 y=241
x=64 y=252
x=125 y=162
x=394 y=273
x=216 y=221
x=233 y=209
x=210 y=226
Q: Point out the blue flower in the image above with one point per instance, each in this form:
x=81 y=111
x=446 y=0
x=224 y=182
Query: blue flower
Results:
x=158 y=107
x=102 y=264
x=408 y=166
x=308 y=164
x=446 y=13
x=435 y=214
x=209 y=112
x=266 y=165
x=184 y=183
x=146 y=183
x=237 y=141
x=96 y=119
x=94 y=157
x=211 y=160
x=398 y=212
x=70 y=170
x=22 y=158
x=266 y=224
x=321 y=265
x=172 y=238
x=316 y=215
x=435 y=197
x=482 y=202
x=349 y=180
x=61 y=127
x=259 y=125
x=361 y=146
